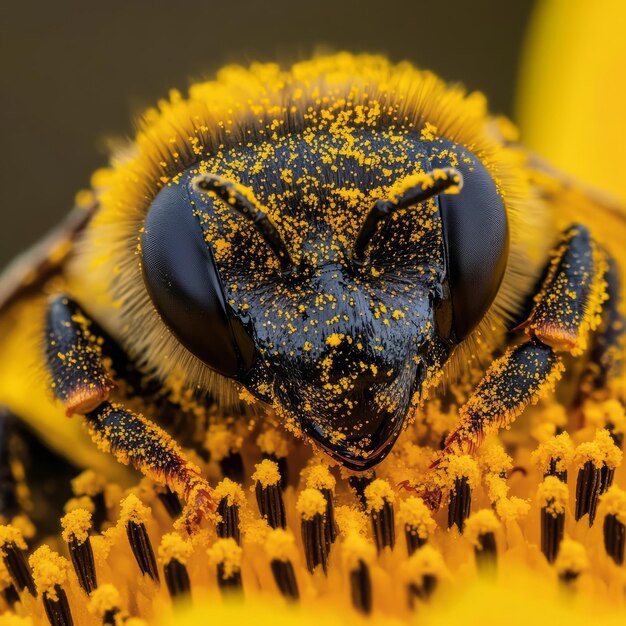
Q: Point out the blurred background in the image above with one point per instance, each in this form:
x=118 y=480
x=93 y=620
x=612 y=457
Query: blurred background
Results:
x=75 y=74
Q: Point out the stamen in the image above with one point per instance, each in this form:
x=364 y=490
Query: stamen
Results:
x=76 y=526
x=597 y=460
x=571 y=562
x=134 y=514
x=554 y=455
x=12 y=550
x=226 y=555
x=273 y=446
x=50 y=572
x=268 y=493
x=460 y=503
x=319 y=477
x=418 y=523
x=243 y=201
x=613 y=504
x=92 y=485
x=170 y=501
x=104 y=603
x=7 y=588
x=173 y=553
x=379 y=497
x=358 y=554
x=552 y=496
x=231 y=498
x=480 y=530
x=359 y=482
x=422 y=571
x=224 y=447
x=281 y=549
x=462 y=475
x=312 y=508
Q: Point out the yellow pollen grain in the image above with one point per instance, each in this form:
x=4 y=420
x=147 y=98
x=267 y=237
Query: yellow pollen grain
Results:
x=88 y=483
x=226 y=552
x=427 y=561
x=572 y=557
x=173 y=546
x=377 y=493
x=480 y=523
x=11 y=535
x=103 y=599
x=272 y=441
x=76 y=524
x=559 y=448
x=319 y=477
x=266 y=473
x=49 y=570
x=230 y=490
x=553 y=495
x=350 y=519
x=311 y=502
x=280 y=545
x=356 y=548
x=417 y=517
x=613 y=502
x=132 y=509
x=335 y=339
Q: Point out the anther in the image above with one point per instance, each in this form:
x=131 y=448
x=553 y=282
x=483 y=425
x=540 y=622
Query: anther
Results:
x=571 y=562
x=359 y=482
x=613 y=504
x=597 y=461
x=379 y=497
x=358 y=554
x=274 y=447
x=90 y=484
x=462 y=474
x=460 y=502
x=268 y=493
x=223 y=446
x=12 y=550
x=170 y=501
x=312 y=508
x=50 y=572
x=230 y=498
x=319 y=477
x=422 y=571
x=480 y=530
x=418 y=523
x=552 y=496
x=225 y=554
x=554 y=455
x=134 y=514
x=173 y=553
x=76 y=527
x=105 y=604
x=281 y=550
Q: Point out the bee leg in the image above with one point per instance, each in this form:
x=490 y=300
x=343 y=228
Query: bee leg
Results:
x=80 y=379
x=606 y=360
x=567 y=308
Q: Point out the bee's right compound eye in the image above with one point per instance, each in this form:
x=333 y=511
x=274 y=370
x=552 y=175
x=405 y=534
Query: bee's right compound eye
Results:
x=183 y=281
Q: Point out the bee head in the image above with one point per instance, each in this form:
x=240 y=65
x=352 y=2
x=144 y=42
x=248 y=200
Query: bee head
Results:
x=331 y=276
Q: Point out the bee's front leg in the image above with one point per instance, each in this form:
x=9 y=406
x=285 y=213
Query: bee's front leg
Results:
x=77 y=364
x=567 y=308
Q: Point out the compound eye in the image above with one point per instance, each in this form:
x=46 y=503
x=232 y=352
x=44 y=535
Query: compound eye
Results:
x=476 y=237
x=183 y=281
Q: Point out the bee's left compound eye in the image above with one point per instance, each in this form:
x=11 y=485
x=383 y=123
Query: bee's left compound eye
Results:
x=183 y=281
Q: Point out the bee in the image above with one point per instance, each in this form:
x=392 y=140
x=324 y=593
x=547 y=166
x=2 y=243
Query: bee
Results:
x=338 y=242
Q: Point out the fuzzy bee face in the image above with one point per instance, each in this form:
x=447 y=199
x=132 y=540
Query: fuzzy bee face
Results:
x=342 y=347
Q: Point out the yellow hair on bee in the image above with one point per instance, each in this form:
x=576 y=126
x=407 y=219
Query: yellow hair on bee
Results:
x=263 y=102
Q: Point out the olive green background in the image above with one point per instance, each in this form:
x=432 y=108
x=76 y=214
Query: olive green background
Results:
x=74 y=74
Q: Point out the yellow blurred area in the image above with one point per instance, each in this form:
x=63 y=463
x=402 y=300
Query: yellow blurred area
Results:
x=572 y=93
